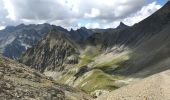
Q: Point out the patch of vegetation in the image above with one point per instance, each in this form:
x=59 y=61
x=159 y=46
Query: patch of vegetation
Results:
x=89 y=55
x=96 y=80
x=1 y=63
x=67 y=76
x=114 y=62
x=84 y=60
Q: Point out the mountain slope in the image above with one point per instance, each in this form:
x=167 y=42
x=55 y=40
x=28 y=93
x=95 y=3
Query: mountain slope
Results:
x=151 y=56
x=18 y=82
x=155 y=87
x=150 y=52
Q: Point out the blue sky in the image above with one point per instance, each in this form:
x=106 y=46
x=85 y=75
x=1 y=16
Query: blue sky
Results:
x=162 y=2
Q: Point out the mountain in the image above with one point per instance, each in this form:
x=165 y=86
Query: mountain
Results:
x=122 y=26
x=52 y=53
x=15 y=40
x=80 y=35
x=18 y=82
x=109 y=59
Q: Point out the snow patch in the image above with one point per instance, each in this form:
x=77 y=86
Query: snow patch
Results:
x=25 y=45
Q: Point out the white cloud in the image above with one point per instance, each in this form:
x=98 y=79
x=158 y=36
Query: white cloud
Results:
x=92 y=25
x=9 y=7
x=142 y=14
x=2 y=27
x=94 y=13
x=68 y=13
x=133 y=18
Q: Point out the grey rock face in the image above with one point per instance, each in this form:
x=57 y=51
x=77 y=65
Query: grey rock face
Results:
x=52 y=53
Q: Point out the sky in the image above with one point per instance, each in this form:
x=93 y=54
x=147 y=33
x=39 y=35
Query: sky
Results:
x=77 y=13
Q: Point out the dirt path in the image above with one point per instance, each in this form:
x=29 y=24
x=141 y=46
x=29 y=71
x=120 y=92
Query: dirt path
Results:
x=156 y=87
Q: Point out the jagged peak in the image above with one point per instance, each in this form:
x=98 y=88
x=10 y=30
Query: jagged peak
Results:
x=121 y=23
x=122 y=26
x=84 y=28
x=71 y=30
x=21 y=25
x=46 y=24
x=81 y=28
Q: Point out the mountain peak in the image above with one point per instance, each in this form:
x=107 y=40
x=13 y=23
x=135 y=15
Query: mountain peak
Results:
x=122 y=26
x=168 y=1
x=121 y=23
x=21 y=25
x=83 y=28
x=72 y=30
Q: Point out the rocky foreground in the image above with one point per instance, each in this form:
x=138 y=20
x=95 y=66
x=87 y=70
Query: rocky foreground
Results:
x=17 y=82
x=156 y=87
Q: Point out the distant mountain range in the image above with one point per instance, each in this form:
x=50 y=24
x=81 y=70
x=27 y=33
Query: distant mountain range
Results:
x=15 y=40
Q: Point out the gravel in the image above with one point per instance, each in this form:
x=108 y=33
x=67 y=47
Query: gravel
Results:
x=155 y=87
